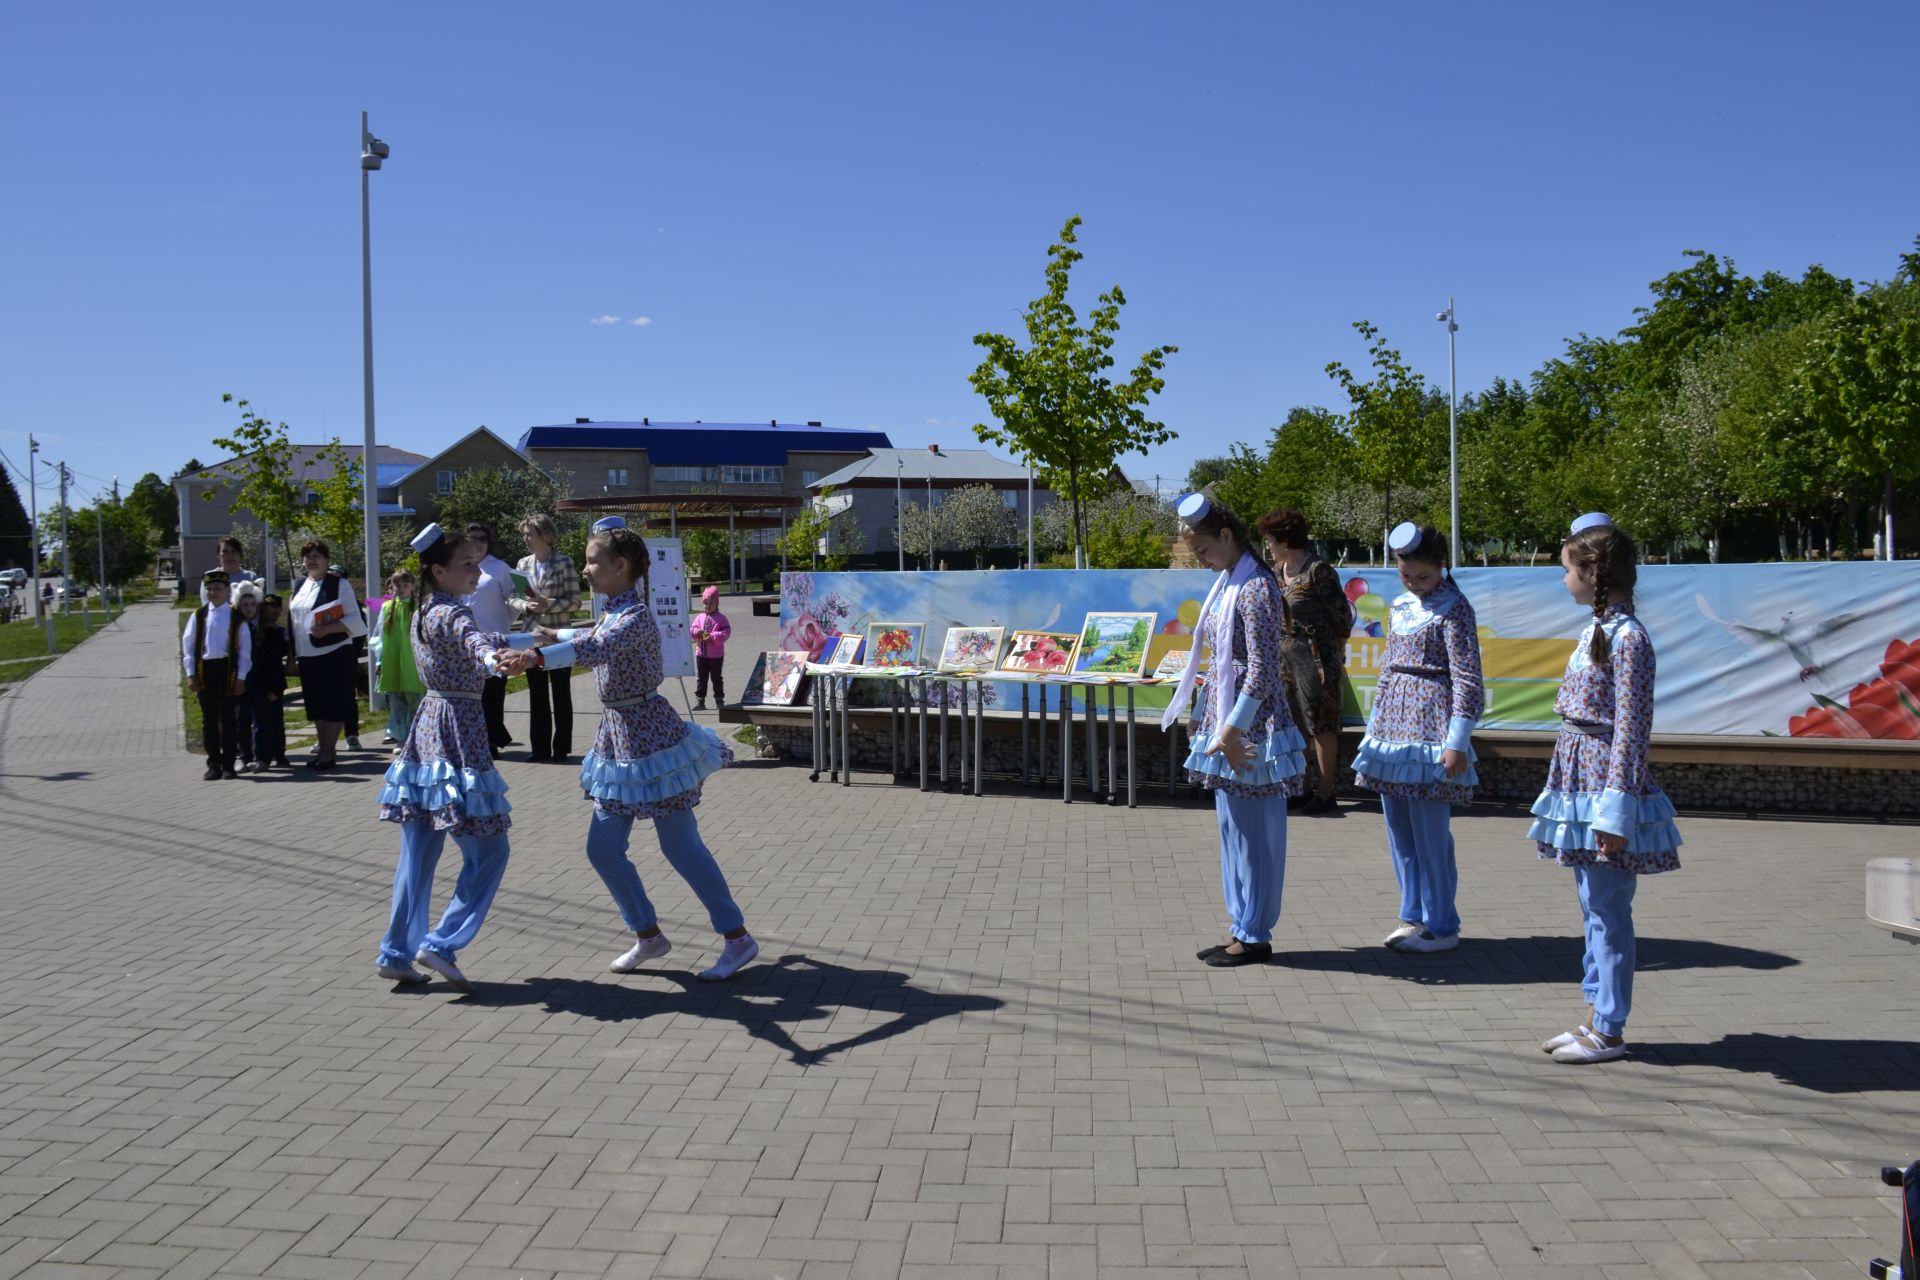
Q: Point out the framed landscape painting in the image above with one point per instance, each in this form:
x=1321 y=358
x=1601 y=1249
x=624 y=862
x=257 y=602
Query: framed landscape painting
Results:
x=1114 y=644
x=894 y=644
x=971 y=650
x=1040 y=653
x=781 y=673
x=846 y=651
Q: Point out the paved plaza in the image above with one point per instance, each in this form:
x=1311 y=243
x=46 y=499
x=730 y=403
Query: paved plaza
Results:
x=977 y=1043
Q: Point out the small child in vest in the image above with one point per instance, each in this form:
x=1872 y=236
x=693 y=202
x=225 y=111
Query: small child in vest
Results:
x=267 y=687
x=246 y=603
x=217 y=653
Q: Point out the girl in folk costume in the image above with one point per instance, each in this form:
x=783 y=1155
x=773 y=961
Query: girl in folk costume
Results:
x=443 y=781
x=396 y=674
x=1246 y=749
x=646 y=762
x=1601 y=812
x=1417 y=752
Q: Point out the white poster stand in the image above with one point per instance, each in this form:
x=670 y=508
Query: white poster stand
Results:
x=672 y=610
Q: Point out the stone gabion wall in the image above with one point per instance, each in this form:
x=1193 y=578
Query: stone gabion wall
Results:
x=1736 y=788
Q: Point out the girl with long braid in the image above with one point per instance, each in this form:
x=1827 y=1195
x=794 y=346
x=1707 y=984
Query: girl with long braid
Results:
x=646 y=761
x=1601 y=813
x=443 y=781
x=1417 y=752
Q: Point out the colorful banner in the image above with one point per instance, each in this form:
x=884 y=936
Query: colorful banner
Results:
x=1825 y=650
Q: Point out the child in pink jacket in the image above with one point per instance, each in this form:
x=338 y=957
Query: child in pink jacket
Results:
x=710 y=631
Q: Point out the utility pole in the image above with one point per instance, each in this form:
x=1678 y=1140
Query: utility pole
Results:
x=33 y=498
x=100 y=546
x=66 y=545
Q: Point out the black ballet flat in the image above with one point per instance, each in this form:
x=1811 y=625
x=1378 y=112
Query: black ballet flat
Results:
x=1204 y=952
x=1254 y=953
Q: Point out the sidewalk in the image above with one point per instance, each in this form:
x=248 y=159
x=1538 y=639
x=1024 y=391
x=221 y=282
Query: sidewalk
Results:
x=977 y=1043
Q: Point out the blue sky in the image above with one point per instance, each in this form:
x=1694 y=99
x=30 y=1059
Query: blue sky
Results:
x=816 y=207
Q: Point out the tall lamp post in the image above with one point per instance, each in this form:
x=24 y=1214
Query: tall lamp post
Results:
x=372 y=152
x=1453 y=440
x=899 y=510
x=1029 y=513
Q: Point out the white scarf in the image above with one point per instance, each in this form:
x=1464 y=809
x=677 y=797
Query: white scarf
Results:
x=1221 y=683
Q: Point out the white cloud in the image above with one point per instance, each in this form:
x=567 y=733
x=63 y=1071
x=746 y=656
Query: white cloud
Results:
x=642 y=321
x=933 y=422
x=606 y=320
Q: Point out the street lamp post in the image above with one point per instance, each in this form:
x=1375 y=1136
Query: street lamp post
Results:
x=1029 y=513
x=1453 y=440
x=372 y=152
x=899 y=511
x=33 y=500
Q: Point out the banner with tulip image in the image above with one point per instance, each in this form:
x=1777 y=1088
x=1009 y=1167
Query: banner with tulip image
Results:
x=1824 y=650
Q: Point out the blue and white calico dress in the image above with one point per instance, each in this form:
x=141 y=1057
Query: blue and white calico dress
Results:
x=1252 y=634
x=1599 y=780
x=444 y=773
x=1429 y=698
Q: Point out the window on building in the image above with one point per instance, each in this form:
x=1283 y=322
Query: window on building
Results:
x=687 y=475
x=616 y=477
x=443 y=481
x=810 y=476
x=750 y=475
x=1010 y=498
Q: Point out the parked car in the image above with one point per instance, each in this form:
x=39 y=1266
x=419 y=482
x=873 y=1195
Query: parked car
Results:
x=15 y=578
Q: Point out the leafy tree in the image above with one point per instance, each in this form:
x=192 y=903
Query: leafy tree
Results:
x=706 y=553
x=975 y=519
x=128 y=543
x=501 y=497
x=1206 y=471
x=336 y=514
x=1862 y=385
x=152 y=499
x=1397 y=422
x=265 y=481
x=1055 y=404
x=915 y=534
x=819 y=524
x=16 y=531
x=1127 y=530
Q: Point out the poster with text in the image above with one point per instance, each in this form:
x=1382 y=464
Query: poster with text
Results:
x=667 y=585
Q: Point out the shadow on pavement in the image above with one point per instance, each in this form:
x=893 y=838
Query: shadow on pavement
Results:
x=766 y=1000
x=1824 y=1066
x=1507 y=961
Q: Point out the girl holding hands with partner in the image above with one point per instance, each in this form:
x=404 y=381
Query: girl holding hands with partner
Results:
x=443 y=781
x=646 y=762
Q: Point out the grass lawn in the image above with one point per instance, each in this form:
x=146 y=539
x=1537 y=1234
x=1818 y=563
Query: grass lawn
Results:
x=15 y=672
x=28 y=639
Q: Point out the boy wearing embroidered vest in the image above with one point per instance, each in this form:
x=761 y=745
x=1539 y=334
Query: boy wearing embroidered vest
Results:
x=216 y=652
x=1417 y=752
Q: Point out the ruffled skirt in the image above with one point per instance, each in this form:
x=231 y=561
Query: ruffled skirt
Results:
x=661 y=782
x=1278 y=767
x=466 y=802
x=1575 y=795
x=1412 y=770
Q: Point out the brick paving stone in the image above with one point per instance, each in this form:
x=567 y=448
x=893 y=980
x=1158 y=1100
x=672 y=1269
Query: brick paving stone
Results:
x=976 y=1044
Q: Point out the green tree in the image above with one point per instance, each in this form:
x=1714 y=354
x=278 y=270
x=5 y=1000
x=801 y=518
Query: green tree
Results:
x=125 y=534
x=1862 y=386
x=1206 y=471
x=336 y=513
x=16 y=531
x=918 y=536
x=265 y=481
x=705 y=551
x=1055 y=403
x=501 y=497
x=1397 y=423
x=1127 y=530
x=152 y=499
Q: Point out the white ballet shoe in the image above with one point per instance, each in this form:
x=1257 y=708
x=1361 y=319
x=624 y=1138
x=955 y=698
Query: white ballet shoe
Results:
x=644 y=949
x=446 y=969
x=405 y=974
x=1589 y=1048
x=1399 y=935
x=1565 y=1038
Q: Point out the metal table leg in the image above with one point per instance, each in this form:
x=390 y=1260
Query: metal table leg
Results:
x=979 y=737
x=1133 y=800
x=926 y=782
x=846 y=733
x=1093 y=741
x=943 y=734
x=960 y=766
x=1044 y=717
x=1066 y=743
x=1113 y=770
x=893 y=727
x=819 y=724
x=1026 y=771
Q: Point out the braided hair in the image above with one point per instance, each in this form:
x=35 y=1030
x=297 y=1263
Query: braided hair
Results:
x=1606 y=555
x=625 y=544
x=439 y=555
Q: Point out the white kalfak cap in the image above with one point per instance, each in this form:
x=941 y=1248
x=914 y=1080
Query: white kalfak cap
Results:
x=609 y=522
x=428 y=536
x=1591 y=520
x=1194 y=508
x=1404 y=538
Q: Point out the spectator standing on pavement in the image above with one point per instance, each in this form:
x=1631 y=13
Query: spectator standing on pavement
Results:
x=267 y=686
x=326 y=616
x=231 y=552
x=492 y=605
x=552 y=602
x=710 y=633
x=396 y=673
x=217 y=656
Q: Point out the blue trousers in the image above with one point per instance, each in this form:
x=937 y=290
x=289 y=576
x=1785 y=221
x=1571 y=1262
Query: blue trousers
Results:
x=1253 y=862
x=687 y=854
x=1606 y=902
x=1420 y=841
x=400 y=709
x=483 y=863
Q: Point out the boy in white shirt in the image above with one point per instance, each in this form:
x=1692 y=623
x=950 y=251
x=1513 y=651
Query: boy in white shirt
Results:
x=216 y=652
